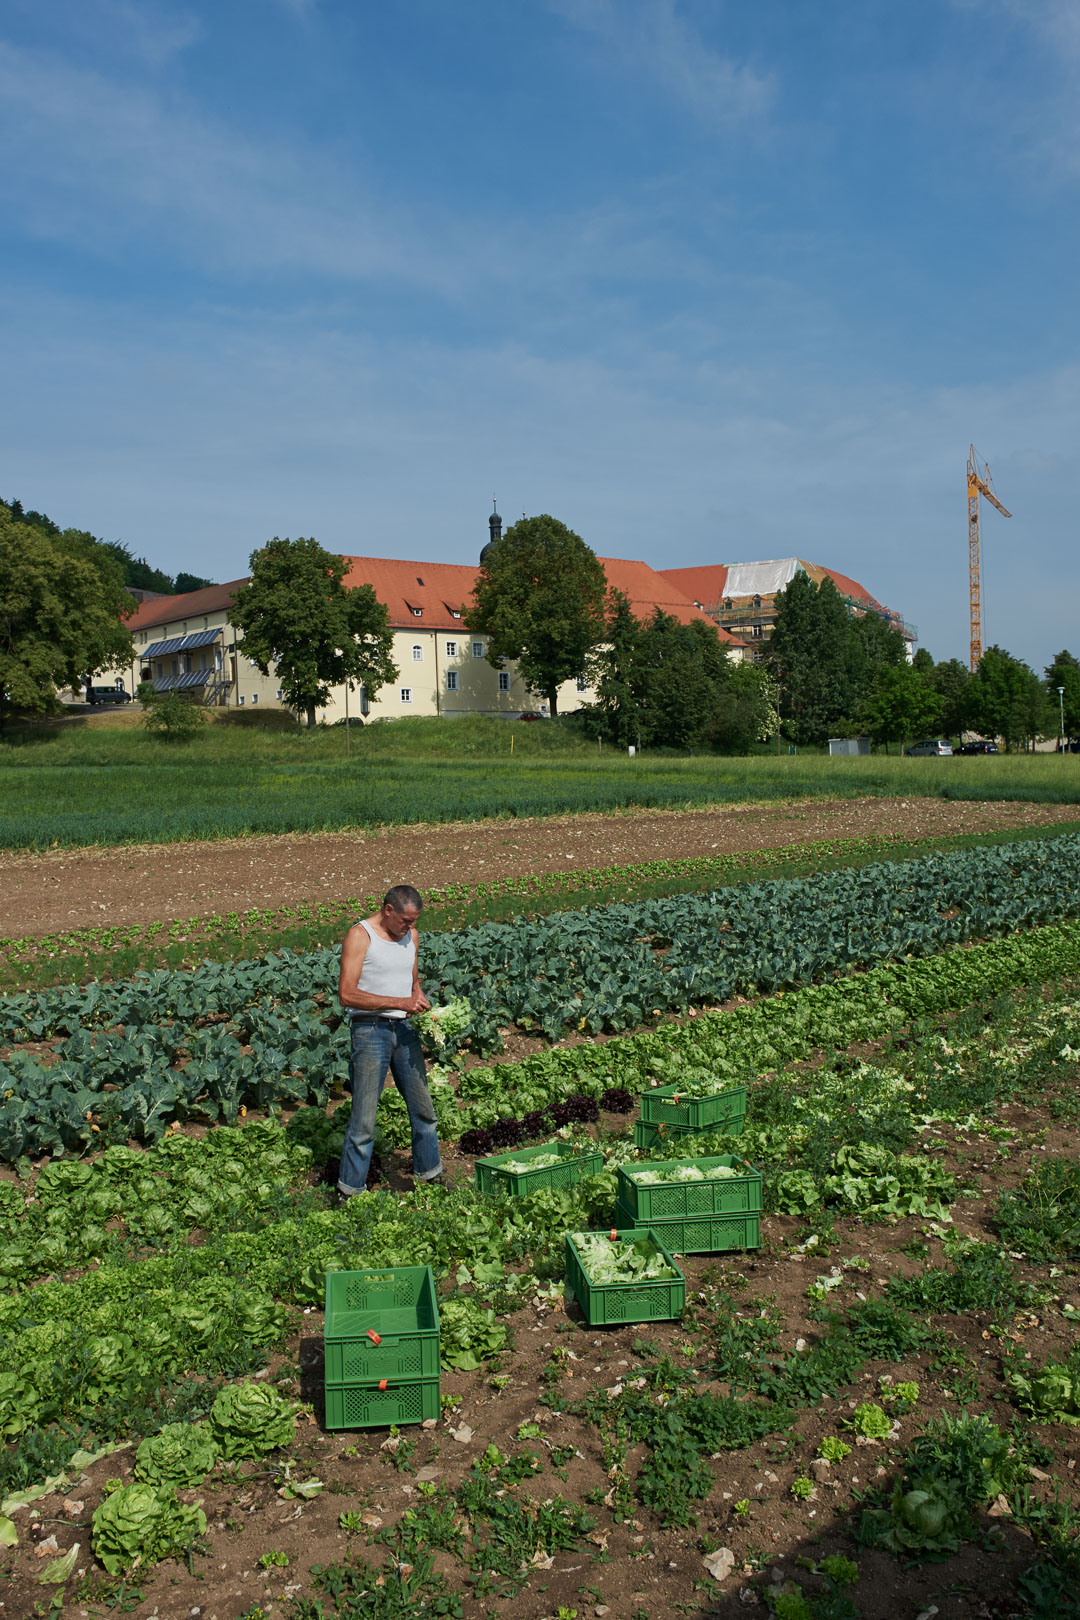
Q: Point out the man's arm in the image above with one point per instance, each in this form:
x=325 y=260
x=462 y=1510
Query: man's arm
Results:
x=418 y=994
x=353 y=950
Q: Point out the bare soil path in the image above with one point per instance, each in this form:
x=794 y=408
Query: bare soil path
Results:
x=43 y=894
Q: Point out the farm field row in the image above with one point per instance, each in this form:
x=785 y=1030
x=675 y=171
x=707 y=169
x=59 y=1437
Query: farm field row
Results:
x=918 y=1275
x=128 y=1057
x=170 y=795
x=115 y=951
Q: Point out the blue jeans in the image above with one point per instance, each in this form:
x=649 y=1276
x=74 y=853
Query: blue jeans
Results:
x=389 y=1044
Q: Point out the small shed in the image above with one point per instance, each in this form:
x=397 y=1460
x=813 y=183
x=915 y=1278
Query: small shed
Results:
x=849 y=745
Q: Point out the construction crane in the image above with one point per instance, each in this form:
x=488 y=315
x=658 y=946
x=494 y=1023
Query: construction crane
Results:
x=977 y=485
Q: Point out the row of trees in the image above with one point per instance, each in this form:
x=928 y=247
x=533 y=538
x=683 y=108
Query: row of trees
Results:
x=542 y=600
x=136 y=571
x=839 y=675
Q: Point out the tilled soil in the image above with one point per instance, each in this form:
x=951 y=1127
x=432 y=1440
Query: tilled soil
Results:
x=621 y=1568
x=138 y=884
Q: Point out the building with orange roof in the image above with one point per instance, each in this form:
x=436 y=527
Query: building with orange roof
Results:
x=189 y=642
x=741 y=597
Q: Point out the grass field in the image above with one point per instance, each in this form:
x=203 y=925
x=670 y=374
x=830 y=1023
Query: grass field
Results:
x=112 y=786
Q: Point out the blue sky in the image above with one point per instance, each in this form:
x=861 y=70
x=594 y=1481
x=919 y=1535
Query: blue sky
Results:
x=710 y=280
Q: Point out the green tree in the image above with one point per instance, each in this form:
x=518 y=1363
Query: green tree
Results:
x=174 y=717
x=62 y=604
x=873 y=645
x=808 y=655
x=902 y=705
x=683 y=669
x=539 y=599
x=614 y=672
x=951 y=681
x=745 y=711
x=296 y=614
x=923 y=661
x=1065 y=671
x=1006 y=699
x=664 y=682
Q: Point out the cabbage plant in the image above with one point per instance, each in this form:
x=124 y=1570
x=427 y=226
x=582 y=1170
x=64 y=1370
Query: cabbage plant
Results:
x=140 y=1523
x=179 y=1454
x=251 y=1420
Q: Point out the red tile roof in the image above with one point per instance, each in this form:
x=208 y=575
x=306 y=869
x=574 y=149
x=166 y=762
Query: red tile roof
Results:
x=708 y=584
x=167 y=609
x=437 y=589
x=705 y=585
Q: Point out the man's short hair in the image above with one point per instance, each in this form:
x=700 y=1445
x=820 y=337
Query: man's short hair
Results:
x=403 y=897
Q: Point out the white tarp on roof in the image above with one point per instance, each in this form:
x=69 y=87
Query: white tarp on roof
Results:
x=761 y=578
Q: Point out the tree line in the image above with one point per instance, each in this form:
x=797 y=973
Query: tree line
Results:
x=542 y=601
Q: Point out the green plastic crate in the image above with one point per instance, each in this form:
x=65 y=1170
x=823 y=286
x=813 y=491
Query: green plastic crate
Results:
x=649 y=1136
x=577 y=1162
x=366 y=1406
x=676 y=1200
x=665 y=1106
x=701 y=1234
x=381 y=1323
x=611 y=1303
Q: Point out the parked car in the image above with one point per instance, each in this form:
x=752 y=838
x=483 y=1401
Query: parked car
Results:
x=107 y=694
x=979 y=747
x=531 y=714
x=931 y=745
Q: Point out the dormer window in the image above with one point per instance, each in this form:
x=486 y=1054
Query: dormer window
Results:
x=417 y=613
x=727 y=602
x=757 y=601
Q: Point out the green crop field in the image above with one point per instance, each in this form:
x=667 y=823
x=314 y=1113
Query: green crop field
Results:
x=861 y=1387
x=112 y=786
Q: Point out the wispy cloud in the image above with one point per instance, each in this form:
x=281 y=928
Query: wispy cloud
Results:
x=107 y=165
x=653 y=40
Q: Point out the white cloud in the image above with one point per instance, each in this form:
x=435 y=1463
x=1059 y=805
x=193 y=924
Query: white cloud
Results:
x=207 y=436
x=653 y=40
x=106 y=166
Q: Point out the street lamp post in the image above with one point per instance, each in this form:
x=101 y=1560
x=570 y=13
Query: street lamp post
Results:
x=1061 y=707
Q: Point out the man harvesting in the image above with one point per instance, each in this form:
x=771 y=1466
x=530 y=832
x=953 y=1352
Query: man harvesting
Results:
x=379 y=987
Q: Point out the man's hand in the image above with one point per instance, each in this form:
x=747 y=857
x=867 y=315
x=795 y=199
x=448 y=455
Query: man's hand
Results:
x=417 y=1003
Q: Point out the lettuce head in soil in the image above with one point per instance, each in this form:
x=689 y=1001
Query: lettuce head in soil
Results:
x=251 y=1420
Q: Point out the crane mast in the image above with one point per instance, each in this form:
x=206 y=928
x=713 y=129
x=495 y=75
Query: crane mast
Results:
x=977 y=486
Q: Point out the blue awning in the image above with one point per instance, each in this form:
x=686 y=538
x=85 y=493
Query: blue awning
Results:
x=198 y=638
x=191 y=677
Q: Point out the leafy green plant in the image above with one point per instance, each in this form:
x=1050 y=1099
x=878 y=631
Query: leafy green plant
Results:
x=869 y=1422
x=802 y=1488
x=251 y=1420
x=274 y=1560
x=179 y=1454
x=1053 y=1393
x=469 y=1333
x=1041 y=1217
x=833 y=1449
x=142 y=1523
x=948 y=1474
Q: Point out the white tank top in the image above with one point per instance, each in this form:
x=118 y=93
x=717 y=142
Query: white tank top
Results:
x=387 y=970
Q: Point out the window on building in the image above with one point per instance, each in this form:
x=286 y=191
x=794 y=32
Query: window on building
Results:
x=758 y=632
x=757 y=601
x=582 y=684
x=504 y=681
x=206 y=622
x=406 y=694
x=455 y=613
x=451 y=649
x=417 y=653
x=478 y=649
x=240 y=700
x=417 y=613
x=451 y=680
x=277 y=694
x=254 y=697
